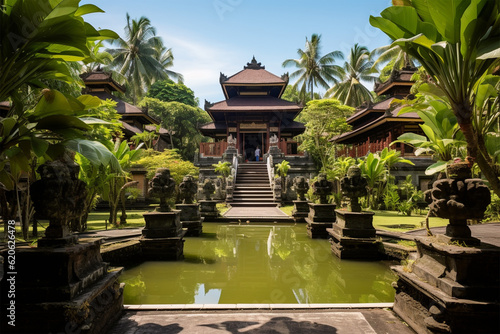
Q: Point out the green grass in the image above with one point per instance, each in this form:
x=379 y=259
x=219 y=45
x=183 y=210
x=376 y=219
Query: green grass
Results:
x=287 y=209
x=222 y=207
x=393 y=221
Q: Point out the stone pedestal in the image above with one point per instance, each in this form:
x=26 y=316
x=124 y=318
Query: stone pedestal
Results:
x=191 y=219
x=275 y=152
x=208 y=210
x=162 y=237
x=62 y=290
x=300 y=211
x=353 y=236
x=230 y=152
x=450 y=289
x=321 y=217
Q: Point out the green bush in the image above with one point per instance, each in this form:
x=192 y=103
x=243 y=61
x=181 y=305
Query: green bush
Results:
x=171 y=159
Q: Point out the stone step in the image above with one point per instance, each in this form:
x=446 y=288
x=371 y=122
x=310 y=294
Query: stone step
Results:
x=244 y=186
x=253 y=191
x=252 y=178
x=253 y=197
x=253 y=204
x=256 y=199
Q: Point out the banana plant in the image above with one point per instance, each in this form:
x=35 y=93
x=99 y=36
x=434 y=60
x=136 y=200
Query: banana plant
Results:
x=375 y=171
x=443 y=138
x=457 y=42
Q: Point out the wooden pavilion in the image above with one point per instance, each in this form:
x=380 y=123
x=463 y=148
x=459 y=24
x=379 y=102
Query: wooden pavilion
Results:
x=252 y=113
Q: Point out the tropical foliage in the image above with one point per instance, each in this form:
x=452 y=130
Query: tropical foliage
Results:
x=349 y=90
x=169 y=91
x=181 y=120
x=171 y=159
x=457 y=44
x=443 y=138
x=313 y=69
x=141 y=57
x=324 y=120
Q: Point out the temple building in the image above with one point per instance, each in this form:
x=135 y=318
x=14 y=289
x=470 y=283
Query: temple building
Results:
x=134 y=120
x=252 y=113
x=376 y=125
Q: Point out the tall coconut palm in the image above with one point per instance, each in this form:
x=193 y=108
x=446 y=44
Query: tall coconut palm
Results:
x=138 y=57
x=350 y=90
x=395 y=58
x=314 y=69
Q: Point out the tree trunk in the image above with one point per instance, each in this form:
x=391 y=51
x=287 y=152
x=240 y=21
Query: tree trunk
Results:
x=474 y=152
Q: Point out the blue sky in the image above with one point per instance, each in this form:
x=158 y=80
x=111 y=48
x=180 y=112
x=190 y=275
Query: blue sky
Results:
x=212 y=36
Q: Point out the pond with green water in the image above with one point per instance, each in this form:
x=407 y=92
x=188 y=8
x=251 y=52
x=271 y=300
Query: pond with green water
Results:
x=257 y=264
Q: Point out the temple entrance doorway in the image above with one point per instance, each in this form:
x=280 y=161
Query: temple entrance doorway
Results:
x=250 y=142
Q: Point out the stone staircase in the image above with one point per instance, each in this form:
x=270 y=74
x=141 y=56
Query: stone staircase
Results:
x=252 y=188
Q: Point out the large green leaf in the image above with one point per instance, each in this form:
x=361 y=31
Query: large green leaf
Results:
x=436 y=167
x=88 y=9
x=39 y=146
x=57 y=122
x=468 y=25
x=95 y=152
x=446 y=15
x=390 y=28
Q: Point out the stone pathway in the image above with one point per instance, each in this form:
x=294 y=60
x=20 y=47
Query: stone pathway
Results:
x=243 y=212
x=487 y=233
x=355 y=321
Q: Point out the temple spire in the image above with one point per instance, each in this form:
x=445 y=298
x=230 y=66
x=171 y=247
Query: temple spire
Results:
x=254 y=65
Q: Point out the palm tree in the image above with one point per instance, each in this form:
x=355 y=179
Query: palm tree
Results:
x=139 y=57
x=314 y=69
x=350 y=90
x=394 y=56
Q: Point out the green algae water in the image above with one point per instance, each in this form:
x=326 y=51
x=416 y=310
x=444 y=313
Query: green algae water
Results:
x=257 y=264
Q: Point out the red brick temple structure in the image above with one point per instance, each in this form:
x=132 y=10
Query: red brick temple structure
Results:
x=253 y=115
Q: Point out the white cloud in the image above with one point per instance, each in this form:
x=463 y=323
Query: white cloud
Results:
x=201 y=64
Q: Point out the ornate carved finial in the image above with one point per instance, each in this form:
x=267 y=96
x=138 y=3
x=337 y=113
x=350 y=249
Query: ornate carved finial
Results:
x=163 y=187
x=223 y=78
x=188 y=188
x=354 y=185
x=208 y=189
x=285 y=77
x=208 y=105
x=254 y=65
x=58 y=196
x=301 y=187
x=322 y=187
x=458 y=198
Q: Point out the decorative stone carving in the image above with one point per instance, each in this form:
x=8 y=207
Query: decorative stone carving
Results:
x=59 y=197
x=353 y=186
x=321 y=216
x=208 y=189
x=163 y=187
x=254 y=65
x=188 y=188
x=458 y=198
x=273 y=140
x=301 y=205
x=301 y=187
x=451 y=288
x=231 y=141
x=322 y=187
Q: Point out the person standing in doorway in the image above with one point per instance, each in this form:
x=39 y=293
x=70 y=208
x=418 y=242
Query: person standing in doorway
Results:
x=257 y=154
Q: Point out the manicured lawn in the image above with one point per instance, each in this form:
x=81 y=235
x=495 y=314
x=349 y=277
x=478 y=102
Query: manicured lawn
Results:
x=393 y=221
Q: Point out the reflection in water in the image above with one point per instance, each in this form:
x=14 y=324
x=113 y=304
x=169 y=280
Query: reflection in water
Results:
x=258 y=264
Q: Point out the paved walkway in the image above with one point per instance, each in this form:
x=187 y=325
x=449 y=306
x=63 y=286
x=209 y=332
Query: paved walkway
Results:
x=487 y=233
x=243 y=212
x=336 y=321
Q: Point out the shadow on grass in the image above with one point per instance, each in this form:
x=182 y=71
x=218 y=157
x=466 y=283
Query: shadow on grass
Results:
x=401 y=226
